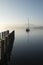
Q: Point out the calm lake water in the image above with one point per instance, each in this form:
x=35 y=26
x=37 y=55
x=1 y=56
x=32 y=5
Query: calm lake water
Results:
x=28 y=47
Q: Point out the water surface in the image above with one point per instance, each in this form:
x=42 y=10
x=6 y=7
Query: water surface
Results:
x=28 y=47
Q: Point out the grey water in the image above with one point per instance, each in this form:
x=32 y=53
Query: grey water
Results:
x=28 y=47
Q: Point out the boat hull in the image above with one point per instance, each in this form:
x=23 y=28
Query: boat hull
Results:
x=27 y=30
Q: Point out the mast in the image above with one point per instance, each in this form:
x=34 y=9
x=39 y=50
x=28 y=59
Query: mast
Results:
x=27 y=30
x=28 y=22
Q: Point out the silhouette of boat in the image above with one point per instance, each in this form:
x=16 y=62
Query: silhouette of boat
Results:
x=27 y=29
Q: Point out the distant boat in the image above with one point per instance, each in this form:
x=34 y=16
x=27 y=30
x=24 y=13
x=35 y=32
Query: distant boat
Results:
x=27 y=29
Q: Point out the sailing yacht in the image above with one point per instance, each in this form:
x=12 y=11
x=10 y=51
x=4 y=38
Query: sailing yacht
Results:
x=27 y=29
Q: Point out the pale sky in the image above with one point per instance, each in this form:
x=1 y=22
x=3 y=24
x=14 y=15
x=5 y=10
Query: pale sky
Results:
x=18 y=11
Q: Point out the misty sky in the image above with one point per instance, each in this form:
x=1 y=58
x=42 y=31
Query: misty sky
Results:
x=18 y=11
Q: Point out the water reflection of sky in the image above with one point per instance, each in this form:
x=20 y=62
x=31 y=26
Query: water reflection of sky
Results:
x=28 y=46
